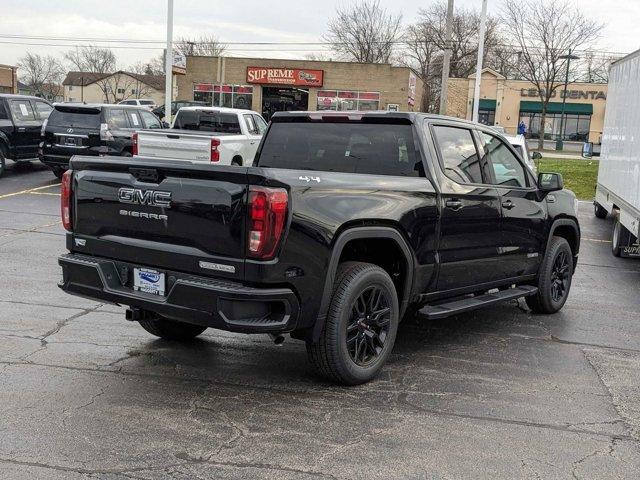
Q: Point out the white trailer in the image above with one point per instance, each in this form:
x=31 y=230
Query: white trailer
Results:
x=618 y=190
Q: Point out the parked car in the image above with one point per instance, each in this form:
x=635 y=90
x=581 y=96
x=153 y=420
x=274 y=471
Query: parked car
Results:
x=224 y=136
x=140 y=102
x=91 y=129
x=344 y=224
x=177 y=105
x=519 y=142
x=21 y=119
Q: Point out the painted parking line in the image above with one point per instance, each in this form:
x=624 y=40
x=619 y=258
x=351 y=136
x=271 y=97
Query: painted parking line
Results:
x=30 y=190
x=596 y=240
x=29 y=230
x=45 y=193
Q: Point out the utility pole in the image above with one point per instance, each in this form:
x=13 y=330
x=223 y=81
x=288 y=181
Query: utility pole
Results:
x=168 y=64
x=476 y=93
x=568 y=58
x=446 y=60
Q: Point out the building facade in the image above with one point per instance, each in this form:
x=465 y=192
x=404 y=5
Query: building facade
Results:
x=8 y=79
x=112 y=87
x=506 y=103
x=271 y=85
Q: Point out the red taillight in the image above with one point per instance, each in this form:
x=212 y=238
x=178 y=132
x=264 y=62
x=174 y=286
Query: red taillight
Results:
x=134 y=143
x=215 y=153
x=267 y=217
x=65 y=200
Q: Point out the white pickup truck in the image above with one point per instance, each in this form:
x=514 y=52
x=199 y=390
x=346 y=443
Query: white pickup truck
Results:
x=223 y=136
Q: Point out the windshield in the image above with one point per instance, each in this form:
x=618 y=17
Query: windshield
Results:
x=207 y=121
x=376 y=149
x=79 y=118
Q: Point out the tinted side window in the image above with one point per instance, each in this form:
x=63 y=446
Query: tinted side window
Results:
x=459 y=156
x=251 y=126
x=150 y=120
x=3 y=111
x=261 y=124
x=375 y=149
x=134 y=118
x=507 y=170
x=116 y=118
x=21 y=110
x=43 y=109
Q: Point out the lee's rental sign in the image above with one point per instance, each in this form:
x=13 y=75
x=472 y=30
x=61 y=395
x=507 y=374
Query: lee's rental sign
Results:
x=301 y=77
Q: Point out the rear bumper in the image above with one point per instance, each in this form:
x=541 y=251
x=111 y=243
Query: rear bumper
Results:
x=199 y=300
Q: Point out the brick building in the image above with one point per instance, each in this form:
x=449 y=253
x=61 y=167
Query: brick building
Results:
x=506 y=102
x=270 y=85
x=8 y=79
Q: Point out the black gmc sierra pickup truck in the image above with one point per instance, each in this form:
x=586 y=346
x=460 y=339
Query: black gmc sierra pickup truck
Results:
x=344 y=224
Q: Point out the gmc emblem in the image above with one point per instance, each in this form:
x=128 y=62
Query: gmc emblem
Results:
x=137 y=196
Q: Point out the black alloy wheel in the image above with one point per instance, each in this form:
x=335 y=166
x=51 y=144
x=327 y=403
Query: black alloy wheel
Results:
x=368 y=326
x=560 y=277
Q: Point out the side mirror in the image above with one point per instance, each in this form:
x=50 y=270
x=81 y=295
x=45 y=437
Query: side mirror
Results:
x=536 y=156
x=550 y=182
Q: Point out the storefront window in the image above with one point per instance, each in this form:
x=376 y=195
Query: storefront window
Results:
x=576 y=127
x=487 y=117
x=233 y=96
x=348 y=101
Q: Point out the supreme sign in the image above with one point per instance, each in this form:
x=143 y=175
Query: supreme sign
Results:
x=285 y=76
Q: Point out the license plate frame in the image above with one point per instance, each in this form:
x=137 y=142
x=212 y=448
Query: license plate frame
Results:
x=147 y=280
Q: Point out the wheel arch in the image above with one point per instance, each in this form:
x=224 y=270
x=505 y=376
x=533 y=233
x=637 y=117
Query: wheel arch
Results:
x=237 y=157
x=568 y=229
x=341 y=246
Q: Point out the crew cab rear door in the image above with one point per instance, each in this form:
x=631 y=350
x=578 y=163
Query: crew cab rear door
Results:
x=27 y=127
x=470 y=235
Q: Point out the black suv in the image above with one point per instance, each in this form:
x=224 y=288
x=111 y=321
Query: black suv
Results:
x=88 y=129
x=21 y=119
x=345 y=222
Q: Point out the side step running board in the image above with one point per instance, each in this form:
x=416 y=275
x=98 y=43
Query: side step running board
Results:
x=455 y=307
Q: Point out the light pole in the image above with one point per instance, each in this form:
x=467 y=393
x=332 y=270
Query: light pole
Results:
x=568 y=58
x=446 y=60
x=168 y=64
x=476 y=91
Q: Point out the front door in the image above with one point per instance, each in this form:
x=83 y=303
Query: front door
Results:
x=470 y=213
x=523 y=216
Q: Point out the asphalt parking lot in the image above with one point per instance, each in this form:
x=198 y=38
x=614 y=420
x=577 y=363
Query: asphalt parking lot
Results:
x=497 y=393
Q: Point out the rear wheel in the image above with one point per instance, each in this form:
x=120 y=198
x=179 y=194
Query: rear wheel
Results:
x=237 y=162
x=2 y=164
x=599 y=211
x=126 y=153
x=172 y=330
x=555 y=278
x=620 y=233
x=361 y=325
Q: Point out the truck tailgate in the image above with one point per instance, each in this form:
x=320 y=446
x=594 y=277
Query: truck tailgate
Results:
x=175 y=144
x=175 y=215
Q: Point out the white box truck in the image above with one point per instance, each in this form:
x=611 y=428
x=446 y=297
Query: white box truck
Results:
x=618 y=190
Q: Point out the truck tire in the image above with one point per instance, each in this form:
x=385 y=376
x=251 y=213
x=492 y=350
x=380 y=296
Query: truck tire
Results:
x=236 y=162
x=2 y=163
x=554 y=281
x=172 y=330
x=616 y=237
x=599 y=211
x=361 y=325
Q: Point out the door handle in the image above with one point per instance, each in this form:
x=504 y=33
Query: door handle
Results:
x=454 y=205
x=508 y=204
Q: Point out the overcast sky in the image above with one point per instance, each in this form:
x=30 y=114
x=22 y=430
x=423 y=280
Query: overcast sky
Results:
x=251 y=21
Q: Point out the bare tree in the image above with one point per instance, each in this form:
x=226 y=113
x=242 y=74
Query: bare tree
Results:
x=202 y=46
x=424 y=43
x=42 y=74
x=596 y=67
x=122 y=86
x=91 y=59
x=154 y=66
x=364 y=32
x=545 y=31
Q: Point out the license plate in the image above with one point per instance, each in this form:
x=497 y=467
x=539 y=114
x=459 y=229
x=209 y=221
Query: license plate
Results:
x=70 y=141
x=148 y=281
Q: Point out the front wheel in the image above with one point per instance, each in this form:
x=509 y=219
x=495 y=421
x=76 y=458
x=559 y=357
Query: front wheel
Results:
x=58 y=172
x=599 y=211
x=555 y=278
x=2 y=164
x=172 y=330
x=361 y=325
